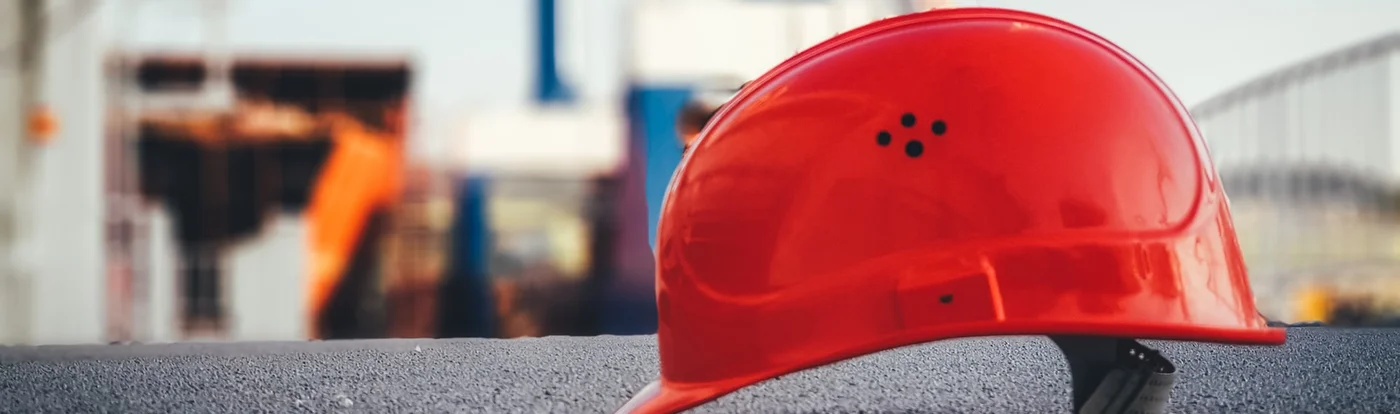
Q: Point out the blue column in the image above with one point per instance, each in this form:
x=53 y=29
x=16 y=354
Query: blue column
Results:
x=656 y=107
x=468 y=301
x=549 y=86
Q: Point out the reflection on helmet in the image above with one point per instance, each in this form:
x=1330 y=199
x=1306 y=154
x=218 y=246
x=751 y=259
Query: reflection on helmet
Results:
x=959 y=172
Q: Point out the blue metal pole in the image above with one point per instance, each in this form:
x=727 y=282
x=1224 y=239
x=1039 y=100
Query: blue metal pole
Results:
x=469 y=299
x=549 y=86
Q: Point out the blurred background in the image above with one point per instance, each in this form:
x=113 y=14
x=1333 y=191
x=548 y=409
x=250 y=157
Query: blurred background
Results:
x=178 y=170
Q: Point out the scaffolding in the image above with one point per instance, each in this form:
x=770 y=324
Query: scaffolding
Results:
x=128 y=226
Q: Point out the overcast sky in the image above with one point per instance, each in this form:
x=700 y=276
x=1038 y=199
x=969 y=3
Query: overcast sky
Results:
x=477 y=53
x=1200 y=47
x=1205 y=47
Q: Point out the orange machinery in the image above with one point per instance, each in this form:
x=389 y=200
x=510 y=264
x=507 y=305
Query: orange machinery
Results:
x=285 y=112
x=362 y=175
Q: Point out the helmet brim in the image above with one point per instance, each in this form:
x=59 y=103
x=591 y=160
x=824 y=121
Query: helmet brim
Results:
x=662 y=396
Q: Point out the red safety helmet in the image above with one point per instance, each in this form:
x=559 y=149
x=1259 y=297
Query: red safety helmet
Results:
x=953 y=173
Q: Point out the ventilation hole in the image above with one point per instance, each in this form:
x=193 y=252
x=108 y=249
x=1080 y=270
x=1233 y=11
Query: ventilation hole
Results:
x=914 y=149
x=908 y=120
x=883 y=138
x=939 y=128
x=946 y=299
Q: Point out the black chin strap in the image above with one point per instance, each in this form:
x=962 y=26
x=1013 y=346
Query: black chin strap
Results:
x=1114 y=375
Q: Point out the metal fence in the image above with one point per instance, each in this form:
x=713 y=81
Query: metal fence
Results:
x=1310 y=159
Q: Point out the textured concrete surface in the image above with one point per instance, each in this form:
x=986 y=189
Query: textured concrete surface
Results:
x=1321 y=370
